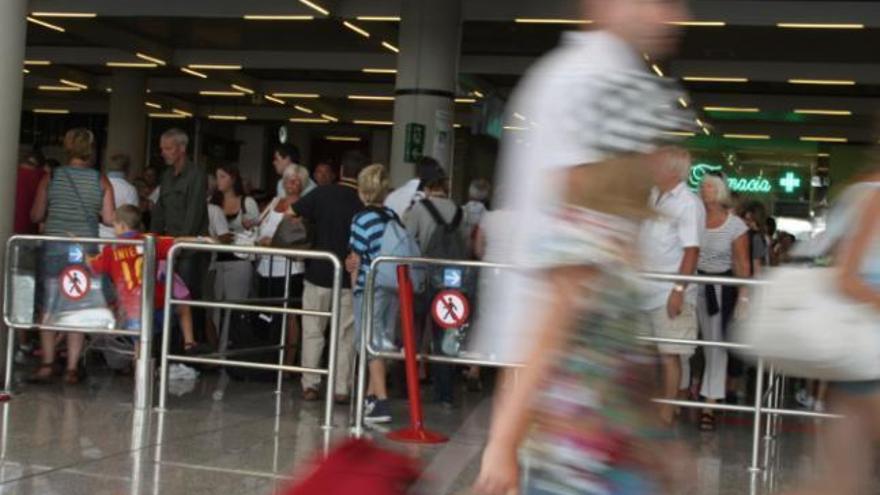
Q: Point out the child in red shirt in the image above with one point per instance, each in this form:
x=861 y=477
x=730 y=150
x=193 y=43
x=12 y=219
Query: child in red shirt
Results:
x=125 y=265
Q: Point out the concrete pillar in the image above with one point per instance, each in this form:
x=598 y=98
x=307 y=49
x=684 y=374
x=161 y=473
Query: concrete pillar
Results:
x=427 y=73
x=127 y=127
x=13 y=29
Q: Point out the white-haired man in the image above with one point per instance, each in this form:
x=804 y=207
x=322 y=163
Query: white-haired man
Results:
x=670 y=243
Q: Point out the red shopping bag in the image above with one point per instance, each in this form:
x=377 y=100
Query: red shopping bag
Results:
x=358 y=466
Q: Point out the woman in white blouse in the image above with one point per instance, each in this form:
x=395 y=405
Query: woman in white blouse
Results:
x=231 y=214
x=724 y=252
x=270 y=270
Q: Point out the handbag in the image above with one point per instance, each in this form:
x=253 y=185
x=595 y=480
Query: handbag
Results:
x=358 y=466
x=804 y=326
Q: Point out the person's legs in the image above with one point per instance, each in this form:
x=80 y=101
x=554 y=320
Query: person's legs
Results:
x=713 y=385
x=345 y=345
x=683 y=327
x=75 y=343
x=441 y=374
x=184 y=313
x=315 y=298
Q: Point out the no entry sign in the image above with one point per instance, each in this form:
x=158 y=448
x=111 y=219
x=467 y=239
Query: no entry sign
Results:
x=75 y=282
x=450 y=309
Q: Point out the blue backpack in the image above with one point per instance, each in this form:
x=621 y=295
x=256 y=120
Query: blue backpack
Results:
x=397 y=241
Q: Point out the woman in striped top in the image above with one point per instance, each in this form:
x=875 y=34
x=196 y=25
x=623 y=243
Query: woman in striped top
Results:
x=71 y=202
x=367 y=230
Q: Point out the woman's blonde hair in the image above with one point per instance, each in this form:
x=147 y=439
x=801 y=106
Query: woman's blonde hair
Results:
x=298 y=172
x=79 y=144
x=373 y=184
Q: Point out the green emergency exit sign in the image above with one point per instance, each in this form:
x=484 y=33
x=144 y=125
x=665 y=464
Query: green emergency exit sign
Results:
x=415 y=142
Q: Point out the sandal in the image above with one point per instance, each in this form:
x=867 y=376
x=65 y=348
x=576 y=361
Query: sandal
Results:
x=707 y=421
x=43 y=375
x=72 y=377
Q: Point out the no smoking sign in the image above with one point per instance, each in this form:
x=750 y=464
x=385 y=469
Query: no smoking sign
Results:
x=75 y=283
x=450 y=309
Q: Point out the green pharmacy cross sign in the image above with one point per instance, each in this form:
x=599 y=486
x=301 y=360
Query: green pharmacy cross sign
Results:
x=753 y=185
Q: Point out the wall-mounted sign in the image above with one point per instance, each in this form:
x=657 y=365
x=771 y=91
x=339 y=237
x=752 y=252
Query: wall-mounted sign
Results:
x=789 y=182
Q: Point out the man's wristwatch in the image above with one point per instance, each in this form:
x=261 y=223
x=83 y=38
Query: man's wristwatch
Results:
x=678 y=288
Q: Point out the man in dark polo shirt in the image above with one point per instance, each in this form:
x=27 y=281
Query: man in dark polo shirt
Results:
x=330 y=210
x=182 y=210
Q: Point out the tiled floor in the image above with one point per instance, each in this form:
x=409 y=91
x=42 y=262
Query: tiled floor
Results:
x=87 y=440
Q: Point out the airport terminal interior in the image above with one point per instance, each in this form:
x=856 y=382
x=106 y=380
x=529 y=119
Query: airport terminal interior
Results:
x=782 y=97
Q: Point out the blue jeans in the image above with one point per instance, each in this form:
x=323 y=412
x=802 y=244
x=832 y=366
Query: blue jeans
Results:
x=386 y=314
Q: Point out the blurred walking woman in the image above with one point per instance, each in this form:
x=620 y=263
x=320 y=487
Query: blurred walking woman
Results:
x=71 y=202
x=725 y=252
x=849 y=445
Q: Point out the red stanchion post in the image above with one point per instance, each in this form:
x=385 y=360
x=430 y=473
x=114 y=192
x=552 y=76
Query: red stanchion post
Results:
x=416 y=433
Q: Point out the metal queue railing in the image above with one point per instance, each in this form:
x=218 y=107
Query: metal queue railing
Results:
x=220 y=358
x=771 y=395
x=143 y=382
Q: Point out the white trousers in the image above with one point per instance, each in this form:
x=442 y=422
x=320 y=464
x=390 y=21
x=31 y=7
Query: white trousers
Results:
x=714 y=383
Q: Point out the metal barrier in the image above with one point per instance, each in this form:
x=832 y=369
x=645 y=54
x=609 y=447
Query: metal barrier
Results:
x=218 y=359
x=143 y=382
x=771 y=395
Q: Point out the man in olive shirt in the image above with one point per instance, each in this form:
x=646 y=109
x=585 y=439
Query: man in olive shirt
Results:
x=182 y=210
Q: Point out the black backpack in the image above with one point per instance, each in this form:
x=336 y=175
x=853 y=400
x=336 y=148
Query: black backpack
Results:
x=446 y=242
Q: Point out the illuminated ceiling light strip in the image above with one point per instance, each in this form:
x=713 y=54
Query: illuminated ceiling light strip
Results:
x=805 y=111
x=329 y=117
x=379 y=71
x=456 y=126
x=182 y=113
x=373 y=122
x=304 y=96
x=681 y=133
x=682 y=102
x=823 y=82
x=153 y=105
x=477 y=94
x=823 y=155
x=161 y=115
x=37 y=62
x=144 y=56
x=227 y=117
x=52 y=111
x=514 y=128
x=706 y=131
x=68 y=15
x=48 y=87
x=242 y=88
x=390 y=47
x=315 y=7
x=221 y=93
x=698 y=23
x=344 y=139
x=762 y=137
x=657 y=70
x=261 y=17
x=823 y=139
x=359 y=30
x=215 y=66
x=73 y=84
x=133 y=65
x=465 y=100
x=304 y=109
x=716 y=79
x=25 y=71
x=519 y=116
x=370 y=98
x=807 y=25
x=535 y=20
x=732 y=109
x=193 y=73
x=275 y=100
x=46 y=24
x=378 y=18
x=308 y=120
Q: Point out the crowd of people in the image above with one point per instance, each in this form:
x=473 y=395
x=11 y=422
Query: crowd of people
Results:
x=346 y=216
